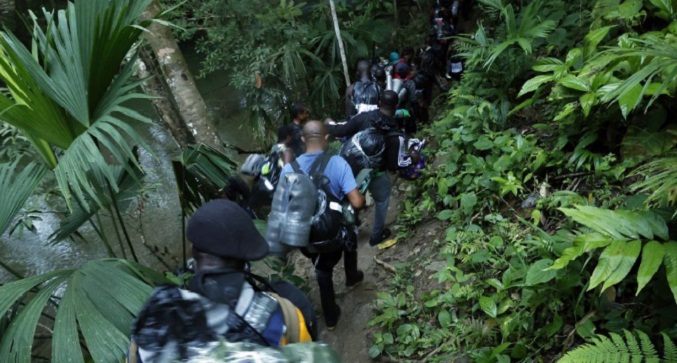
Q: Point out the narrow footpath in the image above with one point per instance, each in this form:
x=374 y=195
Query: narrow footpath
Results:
x=351 y=336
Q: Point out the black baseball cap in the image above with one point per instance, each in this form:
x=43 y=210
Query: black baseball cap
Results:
x=222 y=228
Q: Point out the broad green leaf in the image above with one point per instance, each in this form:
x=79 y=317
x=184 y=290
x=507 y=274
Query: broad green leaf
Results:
x=619 y=224
x=533 y=84
x=627 y=257
x=375 y=350
x=670 y=262
x=587 y=101
x=488 y=305
x=667 y=11
x=552 y=328
x=586 y=329
x=539 y=273
x=575 y=83
x=468 y=201
x=483 y=143
x=582 y=244
x=444 y=318
x=445 y=214
x=547 y=64
x=568 y=109
x=629 y=99
x=593 y=38
x=574 y=57
x=652 y=256
x=609 y=261
x=630 y=8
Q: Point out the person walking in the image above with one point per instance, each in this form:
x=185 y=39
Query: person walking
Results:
x=299 y=115
x=395 y=156
x=223 y=300
x=341 y=185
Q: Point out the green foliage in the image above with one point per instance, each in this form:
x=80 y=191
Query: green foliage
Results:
x=68 y=94
x=631 y=347
x=530 y=182
x=15 y=188
x=291 y=46
x=520 y=31
x=201 y=173
x=88 y=307
x=622 y=234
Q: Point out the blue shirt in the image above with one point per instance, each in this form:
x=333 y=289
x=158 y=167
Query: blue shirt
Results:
x=341 y=179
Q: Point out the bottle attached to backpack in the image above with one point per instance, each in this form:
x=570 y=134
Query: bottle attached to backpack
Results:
x=304 y=212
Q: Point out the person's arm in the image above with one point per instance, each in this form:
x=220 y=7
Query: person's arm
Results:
x=356 y=199
x=347 y=129
x=349 y=100
x=348 y=184
x=288 y=156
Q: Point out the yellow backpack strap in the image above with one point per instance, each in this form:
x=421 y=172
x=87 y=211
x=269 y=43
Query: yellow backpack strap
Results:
x=133 y=353
x=291 y=319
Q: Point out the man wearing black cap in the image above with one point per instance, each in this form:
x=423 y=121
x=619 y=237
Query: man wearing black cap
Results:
x=223 y=301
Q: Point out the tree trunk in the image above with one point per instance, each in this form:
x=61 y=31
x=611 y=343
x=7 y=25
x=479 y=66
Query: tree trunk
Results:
x=180 y=81
x=342 y=51
x=147 y=67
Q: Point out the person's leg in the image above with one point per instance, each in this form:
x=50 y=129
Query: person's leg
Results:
x=324 y=268
x=380 y=189
x=353 y=275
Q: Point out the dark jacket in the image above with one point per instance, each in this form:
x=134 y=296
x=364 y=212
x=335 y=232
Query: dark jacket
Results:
x=395 y=155
x=296 y=144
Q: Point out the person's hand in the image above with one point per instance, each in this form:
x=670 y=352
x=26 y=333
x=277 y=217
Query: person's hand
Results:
x=329 y=121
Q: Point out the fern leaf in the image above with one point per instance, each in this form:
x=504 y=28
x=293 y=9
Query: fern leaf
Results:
x=617 y=349
x=669 y=349
x=650 y=353
x=633 y=347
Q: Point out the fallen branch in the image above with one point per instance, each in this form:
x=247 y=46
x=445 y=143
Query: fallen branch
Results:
x=385 y=265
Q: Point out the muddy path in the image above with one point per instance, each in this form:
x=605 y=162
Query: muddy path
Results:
x=352 y=338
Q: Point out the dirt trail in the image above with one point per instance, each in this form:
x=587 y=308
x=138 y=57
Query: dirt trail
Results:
x=351 y=336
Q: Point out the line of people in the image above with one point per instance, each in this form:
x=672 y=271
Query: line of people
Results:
x=224 y=299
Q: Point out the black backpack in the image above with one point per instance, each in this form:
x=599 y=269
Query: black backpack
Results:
x=368 y=93
x=328 y=217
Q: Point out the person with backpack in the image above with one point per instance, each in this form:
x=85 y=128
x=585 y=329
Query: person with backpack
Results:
x=364 y=94
x=223 y=300
x=265 y=169
x=338 y=181
x=395 y=156
x=299 y=115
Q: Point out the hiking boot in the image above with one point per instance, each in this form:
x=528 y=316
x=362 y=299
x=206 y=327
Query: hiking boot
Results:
x=384 y=235
x=358 y=278
x=331 y=321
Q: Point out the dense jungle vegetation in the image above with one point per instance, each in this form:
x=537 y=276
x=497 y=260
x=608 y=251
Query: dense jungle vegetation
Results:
x=552 y=169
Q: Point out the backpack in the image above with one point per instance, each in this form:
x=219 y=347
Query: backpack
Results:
x=367 y=93
x=267 y=171
x=328 y=217
x=364 y=150
x=304 y=212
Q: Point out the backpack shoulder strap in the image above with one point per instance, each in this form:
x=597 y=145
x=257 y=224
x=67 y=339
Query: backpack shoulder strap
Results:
x=297 y=168
x=291 y=319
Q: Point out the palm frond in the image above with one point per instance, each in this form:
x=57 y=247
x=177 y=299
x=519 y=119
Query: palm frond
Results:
x=90 y=307
x=201 y=172
x=130 y=186
x=15 y=188
x=660 y=180
x=658 y=57
x=70 y=93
